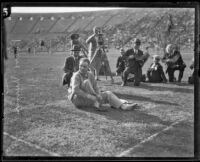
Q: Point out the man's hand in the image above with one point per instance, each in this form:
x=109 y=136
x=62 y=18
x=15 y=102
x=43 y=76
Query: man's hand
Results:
x=168 y=61
x=131 y=57
x=99 y=97
x=91 y=97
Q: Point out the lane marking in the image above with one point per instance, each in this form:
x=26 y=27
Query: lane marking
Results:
x=32 y=145
x=125 y=153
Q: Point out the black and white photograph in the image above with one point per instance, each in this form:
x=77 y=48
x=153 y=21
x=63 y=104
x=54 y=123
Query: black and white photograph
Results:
x=99 y=81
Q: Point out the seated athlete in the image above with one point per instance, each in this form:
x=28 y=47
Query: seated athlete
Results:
x=84 y=91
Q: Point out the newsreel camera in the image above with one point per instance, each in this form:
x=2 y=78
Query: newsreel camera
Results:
x=100 y=39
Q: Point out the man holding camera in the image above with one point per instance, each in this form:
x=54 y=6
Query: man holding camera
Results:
x=92 y=41
x=76 y=42
x=97 y=54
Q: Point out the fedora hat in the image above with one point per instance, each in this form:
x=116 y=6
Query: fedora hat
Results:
x=157 y=57
x=74 y=36
x=136 y=40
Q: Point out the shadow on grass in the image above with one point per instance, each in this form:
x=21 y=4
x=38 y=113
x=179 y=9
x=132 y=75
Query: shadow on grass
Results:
x=126 y=116
x=159 y=87
x=142 y=98
x=173 y=89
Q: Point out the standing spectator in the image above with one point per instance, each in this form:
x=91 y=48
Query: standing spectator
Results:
x=121 y=61
x=71 y=65
x=84 y=91
x=174 y=61
x=155 y=73
x=135 y=61
x=15 y=51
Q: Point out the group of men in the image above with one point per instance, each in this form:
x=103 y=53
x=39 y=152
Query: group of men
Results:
x=82 y=71
x=95 y=53
x=133 y=60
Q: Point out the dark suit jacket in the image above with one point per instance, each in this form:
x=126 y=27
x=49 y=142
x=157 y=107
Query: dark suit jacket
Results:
x=156 y=75
x=136 y=61
x=175 y=60
x=69 y=64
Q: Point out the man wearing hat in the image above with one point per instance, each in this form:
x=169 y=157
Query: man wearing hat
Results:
x=120 y=62
x=134 y=63
x=76 y=42
x=155 y=73
x=71 y=65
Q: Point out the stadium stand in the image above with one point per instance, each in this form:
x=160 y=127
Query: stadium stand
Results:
x=118 y=19
x=148 y=24
x=98 y=22
x=22 y=25
x=10 y=24
x=62 y=25
x=43 y=25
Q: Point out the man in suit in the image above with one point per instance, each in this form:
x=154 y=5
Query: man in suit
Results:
x=71 y=65
x=134 y=63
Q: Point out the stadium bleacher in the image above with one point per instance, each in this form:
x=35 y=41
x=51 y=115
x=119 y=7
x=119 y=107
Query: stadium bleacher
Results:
x=138 y=22
x=98 y=22
x=118 y=19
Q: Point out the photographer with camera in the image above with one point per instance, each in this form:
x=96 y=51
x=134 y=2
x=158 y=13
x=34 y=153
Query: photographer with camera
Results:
x=76 y=42
x=97 y=54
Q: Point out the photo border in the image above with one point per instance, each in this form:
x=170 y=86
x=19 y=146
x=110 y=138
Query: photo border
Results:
x=146 y=4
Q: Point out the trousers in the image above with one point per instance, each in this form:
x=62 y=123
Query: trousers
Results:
x=137 y=71
x=171 y=71
x=108 y=97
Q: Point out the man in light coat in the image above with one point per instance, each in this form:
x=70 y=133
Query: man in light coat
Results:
x=92 y=41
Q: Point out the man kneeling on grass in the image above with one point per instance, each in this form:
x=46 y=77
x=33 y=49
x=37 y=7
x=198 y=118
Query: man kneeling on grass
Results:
x=155 y=73
x=84 y=91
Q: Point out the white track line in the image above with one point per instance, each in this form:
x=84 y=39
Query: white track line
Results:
x=125 y=153
x=32 y=145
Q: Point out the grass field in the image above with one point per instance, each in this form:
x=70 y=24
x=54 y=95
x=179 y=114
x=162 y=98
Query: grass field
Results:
x=40 y=121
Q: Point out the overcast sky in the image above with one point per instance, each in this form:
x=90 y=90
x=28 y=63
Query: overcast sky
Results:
x=58 y=9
